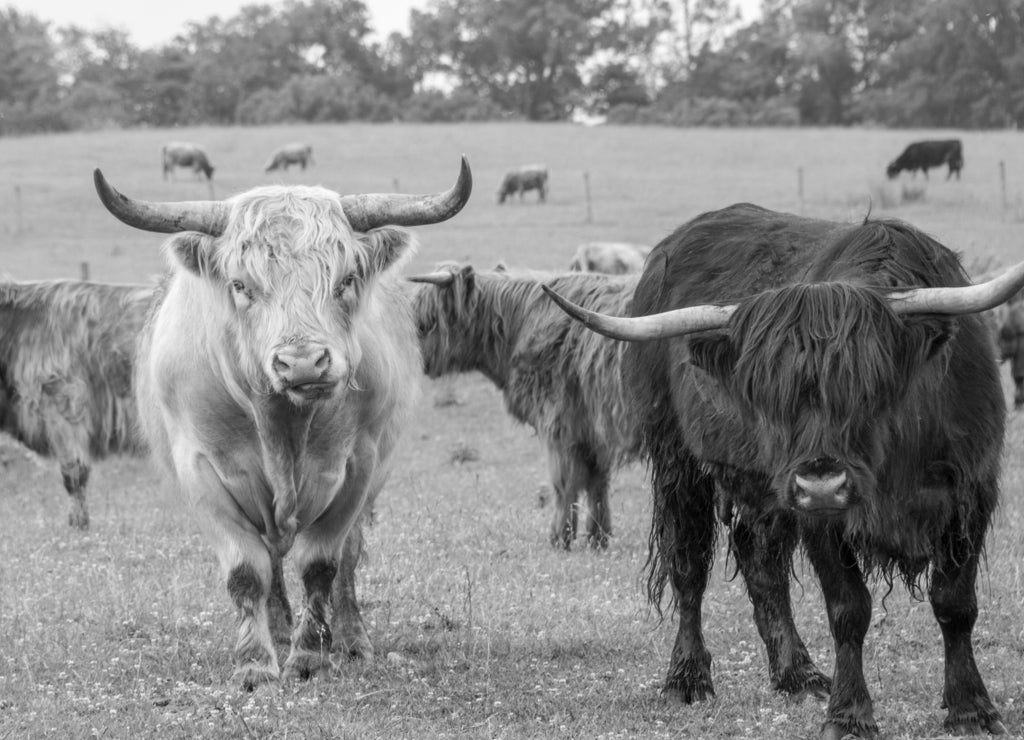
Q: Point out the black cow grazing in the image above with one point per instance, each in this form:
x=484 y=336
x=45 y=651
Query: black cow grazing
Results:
x=66 y=351
x=830 y=384
x=555 y=375
x=923 y=155
x=289 y=154
x=527 y=177
x=181 y=154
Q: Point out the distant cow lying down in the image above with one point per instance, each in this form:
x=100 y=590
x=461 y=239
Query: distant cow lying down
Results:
x=66 y=351
x=612 y=258
x=554 y=374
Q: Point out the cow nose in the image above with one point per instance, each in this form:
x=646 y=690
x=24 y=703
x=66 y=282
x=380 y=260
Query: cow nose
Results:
x=821 y=493
x=300 y=365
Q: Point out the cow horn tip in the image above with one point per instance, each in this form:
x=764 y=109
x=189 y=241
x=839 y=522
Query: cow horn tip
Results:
x=433 y=278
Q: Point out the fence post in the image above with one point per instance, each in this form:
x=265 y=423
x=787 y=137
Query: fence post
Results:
x=586 y=189
x=397 y=189
x=84 y=266
x=800 y=186
x=17 y=209
x=1002 y=186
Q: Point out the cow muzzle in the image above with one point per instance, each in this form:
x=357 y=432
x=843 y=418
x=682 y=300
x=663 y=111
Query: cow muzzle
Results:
x=821 y=488
x=304 y=372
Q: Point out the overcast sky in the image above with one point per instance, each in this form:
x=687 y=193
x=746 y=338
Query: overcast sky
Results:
x=154 y=23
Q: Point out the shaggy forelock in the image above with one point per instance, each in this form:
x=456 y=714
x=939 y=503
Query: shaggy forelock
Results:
x=287 y=238
x=831 y=347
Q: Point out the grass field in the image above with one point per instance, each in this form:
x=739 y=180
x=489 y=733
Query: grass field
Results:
x=480 y=628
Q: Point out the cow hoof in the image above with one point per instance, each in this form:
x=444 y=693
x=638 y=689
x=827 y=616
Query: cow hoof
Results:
x=816 y=685
x=990 y=727
x=251 y=676
x=356 y=646
x=832 y=731
x=306 y=664
x=79 y=518
x=597 y=541
x=560 y=541
x=676 y=692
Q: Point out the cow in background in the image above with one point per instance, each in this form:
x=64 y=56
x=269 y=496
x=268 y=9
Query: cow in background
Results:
x=275 y=372
x=1010 y=338
x=522 y=179
x=66 y=350
x=556 y=376
x=182 y=154
x=611 y=258
x=923 y=155
x=825 y=383
x=289 y=154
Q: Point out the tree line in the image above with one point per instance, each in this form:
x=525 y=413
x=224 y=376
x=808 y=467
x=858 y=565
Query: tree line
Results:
x=950 y=63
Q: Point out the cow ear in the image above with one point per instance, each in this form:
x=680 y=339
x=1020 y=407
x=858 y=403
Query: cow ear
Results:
x=193 y=251
x=714 y=354
x=932 y=333
x=386 y=246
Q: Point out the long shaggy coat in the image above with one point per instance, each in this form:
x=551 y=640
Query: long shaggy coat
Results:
x=555 y=375
x=66 y=350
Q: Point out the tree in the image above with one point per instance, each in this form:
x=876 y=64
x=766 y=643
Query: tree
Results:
x=28 y=70
x=525 y=55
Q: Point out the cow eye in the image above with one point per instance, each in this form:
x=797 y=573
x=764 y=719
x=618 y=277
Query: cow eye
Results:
x=238 y=286
x=346 y=282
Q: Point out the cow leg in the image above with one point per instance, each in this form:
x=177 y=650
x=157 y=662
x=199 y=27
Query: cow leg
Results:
x=848 y=602
x=312 y=639
x=955 y=605
x=568 y=477
x=348 y=621
x=683 y=540
x=278 y=609
x=255 y=659
x=763 y=546
x=75 y=474
x=245 y=560
x=599 y=520
x=1018 y=393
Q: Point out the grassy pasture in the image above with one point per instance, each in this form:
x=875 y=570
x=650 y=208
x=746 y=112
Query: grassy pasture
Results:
x=480 y=629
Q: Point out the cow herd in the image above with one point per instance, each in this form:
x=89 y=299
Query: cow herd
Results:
x=194 y=157
x=793 y=380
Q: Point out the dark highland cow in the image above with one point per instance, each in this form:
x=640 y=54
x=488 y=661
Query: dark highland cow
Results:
x=66 y=351
x=528 y=177
x=829 y=384
x=556 y=376
x=923 y=155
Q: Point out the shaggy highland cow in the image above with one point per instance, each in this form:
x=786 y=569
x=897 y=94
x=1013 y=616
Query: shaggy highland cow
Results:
x=273 y=377
x=829 y=384
x=555 y=375
x=66 y=351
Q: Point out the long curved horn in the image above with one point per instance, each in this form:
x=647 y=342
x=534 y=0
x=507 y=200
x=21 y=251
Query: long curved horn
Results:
x=443 y=278
x=962 y=300
x=206 y=216
x=370 y=210
x=642 y=328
